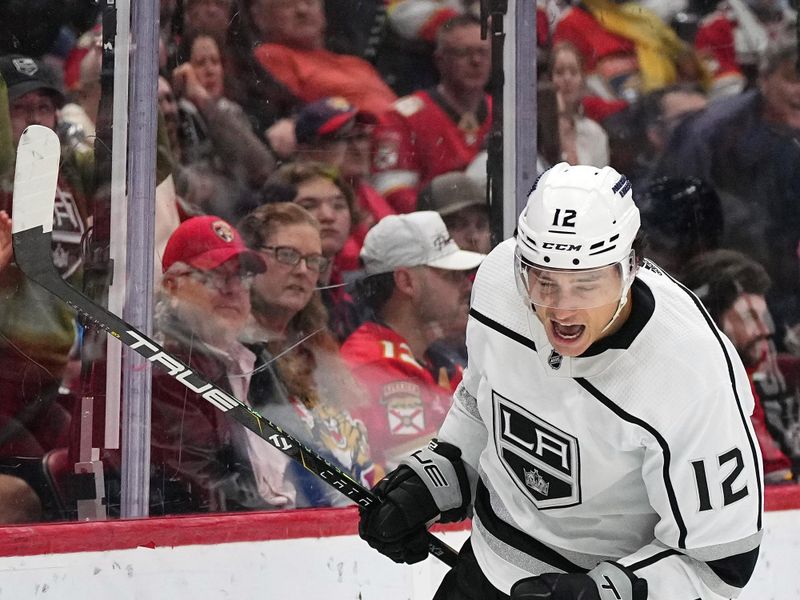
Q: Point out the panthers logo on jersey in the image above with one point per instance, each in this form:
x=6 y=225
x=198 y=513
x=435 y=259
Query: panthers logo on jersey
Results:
x=542 y=460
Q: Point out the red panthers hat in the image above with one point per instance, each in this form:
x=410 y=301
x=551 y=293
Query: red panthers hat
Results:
x=207 y=242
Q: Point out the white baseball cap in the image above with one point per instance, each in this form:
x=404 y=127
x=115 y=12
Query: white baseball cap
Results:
x=412 y=240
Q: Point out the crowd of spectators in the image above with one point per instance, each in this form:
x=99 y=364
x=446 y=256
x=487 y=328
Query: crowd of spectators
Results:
x=323 y=209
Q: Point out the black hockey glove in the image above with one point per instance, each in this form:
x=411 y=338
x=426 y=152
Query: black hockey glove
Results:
x=397 y=527
x=429 y=485
x=607 y=581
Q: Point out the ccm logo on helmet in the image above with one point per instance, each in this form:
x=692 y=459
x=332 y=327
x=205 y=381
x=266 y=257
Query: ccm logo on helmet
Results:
x=567 y=247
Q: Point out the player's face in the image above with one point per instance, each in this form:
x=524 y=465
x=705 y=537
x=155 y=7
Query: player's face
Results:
x=575 y=307
x=286 y=289
x=214 y=304
x=749 y=326
x=323 y=199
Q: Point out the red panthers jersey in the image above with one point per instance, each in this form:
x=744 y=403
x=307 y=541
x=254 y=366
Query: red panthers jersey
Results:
x=406 y=405
x=420 y=138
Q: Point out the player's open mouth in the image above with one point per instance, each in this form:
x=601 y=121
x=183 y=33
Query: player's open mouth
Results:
x=567 y=332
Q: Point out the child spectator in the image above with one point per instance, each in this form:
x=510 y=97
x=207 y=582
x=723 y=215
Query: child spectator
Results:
x=332 y=131
x=37 y=330
x=462 y=204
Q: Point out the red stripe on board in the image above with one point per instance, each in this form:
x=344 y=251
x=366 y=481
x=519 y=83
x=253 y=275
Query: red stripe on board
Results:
x=155 y=532
x=158 y=532
x=782 y=497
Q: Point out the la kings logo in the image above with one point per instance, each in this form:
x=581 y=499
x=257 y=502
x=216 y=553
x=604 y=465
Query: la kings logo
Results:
x=542 y=460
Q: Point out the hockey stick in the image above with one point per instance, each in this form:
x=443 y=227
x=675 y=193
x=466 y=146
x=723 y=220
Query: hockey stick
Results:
x=35 y=183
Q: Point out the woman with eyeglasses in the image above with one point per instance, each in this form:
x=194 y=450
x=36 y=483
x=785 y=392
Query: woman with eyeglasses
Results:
x=300 y=380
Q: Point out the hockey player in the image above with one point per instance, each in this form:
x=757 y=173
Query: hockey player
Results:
x=600 y=437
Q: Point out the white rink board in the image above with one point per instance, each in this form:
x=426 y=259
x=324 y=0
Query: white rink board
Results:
x=777 y=575
x=334 y=568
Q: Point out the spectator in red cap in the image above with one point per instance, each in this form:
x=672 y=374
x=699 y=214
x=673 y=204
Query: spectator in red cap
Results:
x=201 y=460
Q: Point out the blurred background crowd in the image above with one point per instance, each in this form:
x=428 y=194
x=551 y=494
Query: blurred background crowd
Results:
x=322 y=207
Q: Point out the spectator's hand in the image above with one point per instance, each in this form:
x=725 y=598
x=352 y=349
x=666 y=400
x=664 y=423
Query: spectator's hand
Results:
x=6 y=248
x=280 y=137
x=186 y=84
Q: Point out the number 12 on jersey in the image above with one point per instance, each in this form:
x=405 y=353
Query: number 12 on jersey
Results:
x=729 y=495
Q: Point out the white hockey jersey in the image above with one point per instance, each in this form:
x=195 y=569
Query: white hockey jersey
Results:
x=641 y=450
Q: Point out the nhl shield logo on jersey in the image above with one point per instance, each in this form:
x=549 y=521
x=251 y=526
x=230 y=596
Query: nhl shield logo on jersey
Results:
x=554 y=360
x=405 y=411
x=542 y=460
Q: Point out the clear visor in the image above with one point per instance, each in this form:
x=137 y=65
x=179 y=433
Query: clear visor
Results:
x=573 y=290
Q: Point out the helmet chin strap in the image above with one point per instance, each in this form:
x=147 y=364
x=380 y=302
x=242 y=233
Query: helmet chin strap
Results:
x=623 y=299
x=622 y=302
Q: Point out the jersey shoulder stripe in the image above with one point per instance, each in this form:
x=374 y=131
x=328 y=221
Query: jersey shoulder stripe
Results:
x=492 y=324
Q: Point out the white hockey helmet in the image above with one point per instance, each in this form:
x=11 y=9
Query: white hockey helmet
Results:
x=578 y=219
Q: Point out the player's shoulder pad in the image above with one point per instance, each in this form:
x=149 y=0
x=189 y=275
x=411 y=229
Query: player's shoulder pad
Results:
x=409 y=105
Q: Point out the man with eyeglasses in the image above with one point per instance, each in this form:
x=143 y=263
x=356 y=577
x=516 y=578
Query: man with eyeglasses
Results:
x=600 y=439
x=416 y=276
x=440 y=129
x=201 y=460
